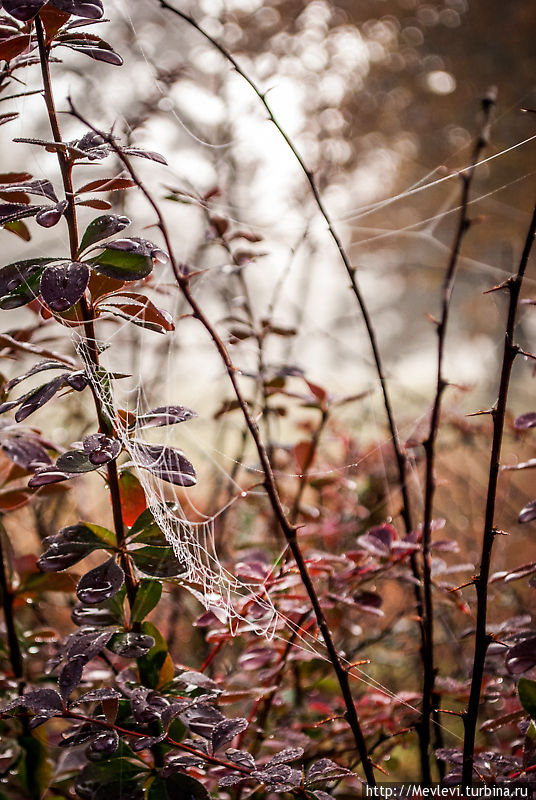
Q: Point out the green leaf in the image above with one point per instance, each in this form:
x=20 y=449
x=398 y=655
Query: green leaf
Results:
x=19 y=282
x=147 y=597
x=35 y=768
x=118 y=775
x=101 y=228
x=150 y=665
x=527 y=695
x=177 y=786
x=108 y=537
x=121 y=265
x=146 y=531
x=158 y=562
x=75 y=462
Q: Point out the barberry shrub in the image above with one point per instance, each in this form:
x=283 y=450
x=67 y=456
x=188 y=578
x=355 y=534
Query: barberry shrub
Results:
x=99 y=704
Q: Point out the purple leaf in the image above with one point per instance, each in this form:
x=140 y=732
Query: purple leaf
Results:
x=50 y=216
x=41 y=366
x=90 y=9
x=39 y=187
x=25 y=452
x=325 y=770
x=92 y=46
x=48 y=475
x=165 y=415
x=152 y=156
x=23 y=9
x=202 y=719
x=100 y=448
x=287 y=755
x=40 y=700
x=62 y=285
x=77 y=381
x=192 y=678
x=226 y=730
x=528 y=513
x=130 y=644
x=13 y=211
x=97 y=695
x=167 y=463
x=39 y=397
x=521 y=657
x=71 y=675
x=100 y=583
x=242 y=757
x=105 y=742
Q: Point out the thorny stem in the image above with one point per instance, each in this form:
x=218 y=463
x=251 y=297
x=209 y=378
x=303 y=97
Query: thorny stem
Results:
x=87 y=312
x=400 y=456
x=289 y=531
x=482 y=638
x=15 y=654
x=429 y=698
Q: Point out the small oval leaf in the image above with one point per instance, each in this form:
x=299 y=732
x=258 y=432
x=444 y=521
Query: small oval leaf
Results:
x=100 y=583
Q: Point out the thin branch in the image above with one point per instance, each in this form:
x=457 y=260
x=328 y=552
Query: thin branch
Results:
x=8 y=597
x=288 y=530
x=429 y=699
x=482 y=638
x=351 y=271
x=87 y=312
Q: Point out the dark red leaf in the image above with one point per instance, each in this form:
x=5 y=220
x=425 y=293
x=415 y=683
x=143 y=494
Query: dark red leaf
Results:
x=106 y=185
x=12 y=46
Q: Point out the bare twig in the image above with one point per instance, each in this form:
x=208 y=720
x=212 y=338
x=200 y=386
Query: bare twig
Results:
x=498 y=413
x=429 y=699
x=289 y=531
